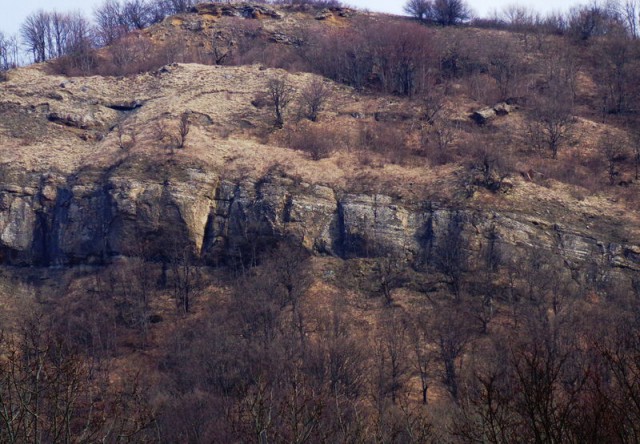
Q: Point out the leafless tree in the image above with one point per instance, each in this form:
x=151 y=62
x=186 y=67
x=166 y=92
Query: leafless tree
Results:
x=506 y=68
x=184 y=126
x=630 y=12
x=49 y=35
x=442 y=12
x=518 y=16
x=8 y=54
x=586 y=22
x=451 y=258
x=452 y=335
x=403 y=53
x=137 y=14
x=109 y=19
x=116 y=18
x=419 y=9
x=170 y=7
x=450 y=12
x=280 y=94
x=51 y=393
x=437 y=139
x=343 y=55
x=221 y=48
x=388 y=271
x=185 y=277
x=35 y=32
x=617 y=73
x=314 y=96
x=614 y=148
x=552 y=119
x=421 y=341
x=392 y=357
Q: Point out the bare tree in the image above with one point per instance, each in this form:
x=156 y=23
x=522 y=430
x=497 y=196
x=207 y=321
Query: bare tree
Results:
x=432 y=101
x=634 y=142
x=420 y=336
x=552 y=118
x=450 y=12
x=35 y=32
x=51 y=393
x=436 y=140
x=442 y=12
x=630 y=12
x=8 y=54
x=452 y=335
x=392 y=365
x=388 y=272
x=184 y=126
x=402 y=53
x=75 y=44
x=110 y=22
x=614 y=149
x=506 y=68
x=518 y=16
x=451 y=257
x=617 y=73
x=593 y=20
x=280 y=94
x=221 y=48
x=343 y=55
x=116 y=18
x=50 y=35
x=419 y=9
x=314 y=96
x=137 y=14
x=186 y=279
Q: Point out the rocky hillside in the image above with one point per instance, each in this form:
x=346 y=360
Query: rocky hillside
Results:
x=298 y=224
x=86 y=175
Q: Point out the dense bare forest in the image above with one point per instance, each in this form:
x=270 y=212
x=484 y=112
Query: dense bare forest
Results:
x=476 y=279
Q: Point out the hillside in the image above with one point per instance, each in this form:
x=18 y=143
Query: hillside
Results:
x=432 y=216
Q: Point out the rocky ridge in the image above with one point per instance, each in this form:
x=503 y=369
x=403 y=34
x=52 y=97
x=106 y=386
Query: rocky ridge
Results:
x=70 y=193
x=91 y=216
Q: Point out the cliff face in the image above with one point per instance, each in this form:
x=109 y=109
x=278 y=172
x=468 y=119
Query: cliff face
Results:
x=85 y=176
x=91 y=216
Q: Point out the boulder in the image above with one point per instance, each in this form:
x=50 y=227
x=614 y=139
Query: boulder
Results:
x=324 y=14
x=502 y=109
x=483 y=115
x=390 y=116
x=124 y=105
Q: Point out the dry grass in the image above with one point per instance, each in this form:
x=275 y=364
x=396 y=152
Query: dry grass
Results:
x=236 y=139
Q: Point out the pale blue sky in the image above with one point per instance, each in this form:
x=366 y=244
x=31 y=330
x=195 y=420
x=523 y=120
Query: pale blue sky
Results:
x=14 y=11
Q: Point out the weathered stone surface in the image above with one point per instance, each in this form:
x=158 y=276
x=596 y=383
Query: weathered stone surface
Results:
x=324 y=14
x=389 y=116
x=17 y=224
x=90 y=117
x=124 y=105
x=483 y=115
x=502 y=109
x=90 y=217
x=238 y=10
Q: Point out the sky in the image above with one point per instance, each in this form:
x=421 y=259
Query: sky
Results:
x=15 y=11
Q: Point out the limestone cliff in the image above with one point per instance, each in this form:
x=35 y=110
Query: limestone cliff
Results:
x=87 y=174
x=91 y=216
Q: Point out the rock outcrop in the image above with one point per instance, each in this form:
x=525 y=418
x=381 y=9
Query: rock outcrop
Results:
x=245 y=10
x=92 y=216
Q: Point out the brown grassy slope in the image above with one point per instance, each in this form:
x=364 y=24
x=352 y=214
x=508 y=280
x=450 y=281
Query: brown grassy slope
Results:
x=230 y=135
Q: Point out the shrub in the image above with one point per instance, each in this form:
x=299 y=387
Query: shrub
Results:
x=318 y=142
x=387 y=140
x=313 y=98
